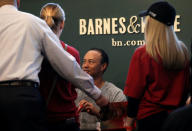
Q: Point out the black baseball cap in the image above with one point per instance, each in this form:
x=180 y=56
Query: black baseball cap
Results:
x=161 y=11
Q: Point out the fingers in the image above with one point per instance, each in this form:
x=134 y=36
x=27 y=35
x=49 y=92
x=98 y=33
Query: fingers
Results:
x=89 y=108
x=82 y=102
x=85 y=106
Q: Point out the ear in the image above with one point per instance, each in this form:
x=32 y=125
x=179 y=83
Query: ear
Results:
x=18 y=3
x=103 y=67
x=62 y=25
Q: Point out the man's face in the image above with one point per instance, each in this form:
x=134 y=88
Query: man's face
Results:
x=92 y=63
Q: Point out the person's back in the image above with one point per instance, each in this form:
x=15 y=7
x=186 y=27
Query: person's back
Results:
x=19 y=67
x=166 y=89
x=24 y=41
x=17 y=33
x=59 y=93
x=158 y=76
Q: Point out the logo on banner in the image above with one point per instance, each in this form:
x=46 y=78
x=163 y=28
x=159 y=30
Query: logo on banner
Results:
x=114 y=26
x=117 y=26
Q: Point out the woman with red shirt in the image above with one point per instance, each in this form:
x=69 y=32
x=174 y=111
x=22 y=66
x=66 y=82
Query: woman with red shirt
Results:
x=158 y=76
x=58 y=92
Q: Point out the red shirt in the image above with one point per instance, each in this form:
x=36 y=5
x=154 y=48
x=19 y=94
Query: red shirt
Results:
x=61 y=104
x=157 y=88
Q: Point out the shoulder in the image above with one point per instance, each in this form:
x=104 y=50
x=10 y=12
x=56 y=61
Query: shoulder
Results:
x=140 y=50
x=19 y=16
x=69 y=48
x=141 y=55
x=32 y=22
x=111 y=87
x=30 y=25
x=73 y=51
x=110 y=84
x=30 y=18
x=112 y=92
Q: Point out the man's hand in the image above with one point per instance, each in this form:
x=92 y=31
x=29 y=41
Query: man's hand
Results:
x=89 y=108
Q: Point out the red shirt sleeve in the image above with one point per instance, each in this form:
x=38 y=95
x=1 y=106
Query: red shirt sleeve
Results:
x=74 y=52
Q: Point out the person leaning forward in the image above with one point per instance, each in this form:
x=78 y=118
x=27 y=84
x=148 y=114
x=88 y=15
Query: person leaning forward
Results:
x=24 y=41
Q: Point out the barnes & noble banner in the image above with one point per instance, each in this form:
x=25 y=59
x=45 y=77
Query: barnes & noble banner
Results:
x=112 y=25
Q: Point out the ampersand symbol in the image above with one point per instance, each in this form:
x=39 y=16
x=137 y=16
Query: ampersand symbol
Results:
x=132 y=28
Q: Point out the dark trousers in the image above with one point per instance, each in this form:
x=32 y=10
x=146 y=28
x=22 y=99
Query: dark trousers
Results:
x=153 y=122
x=68 y=125
x=21 y=109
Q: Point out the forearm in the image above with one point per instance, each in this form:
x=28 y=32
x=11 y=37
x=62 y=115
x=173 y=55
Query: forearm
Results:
x=132 y=107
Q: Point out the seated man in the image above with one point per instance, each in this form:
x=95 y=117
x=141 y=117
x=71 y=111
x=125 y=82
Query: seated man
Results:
x=95 y=63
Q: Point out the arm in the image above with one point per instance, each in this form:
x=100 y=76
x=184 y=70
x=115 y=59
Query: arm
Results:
x=132 y=109
x=135 y=85
x=67 y=67
x=119 y=96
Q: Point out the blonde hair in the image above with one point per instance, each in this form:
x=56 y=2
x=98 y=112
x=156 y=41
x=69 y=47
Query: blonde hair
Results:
x=53 y=14
x=161 y=41
x=4 y=2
